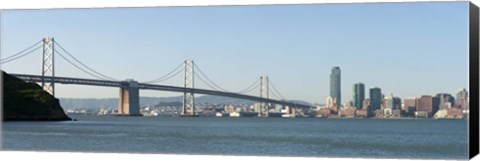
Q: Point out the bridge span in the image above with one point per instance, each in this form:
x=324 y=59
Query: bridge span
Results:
x=129 y=89
x=129 y=95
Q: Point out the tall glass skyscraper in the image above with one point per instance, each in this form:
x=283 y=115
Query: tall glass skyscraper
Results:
x=358 y=95
x=335 y=90
x=375 y=98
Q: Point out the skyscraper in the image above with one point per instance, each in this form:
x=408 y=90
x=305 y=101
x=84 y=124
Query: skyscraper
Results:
x=445 y=100
x=335 y=85
x=375 y=98
x=358 y=95
x=461 y=99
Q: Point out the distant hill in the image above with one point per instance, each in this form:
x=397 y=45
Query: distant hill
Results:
x=93 y=103
x=89 y=103
x=24 y=101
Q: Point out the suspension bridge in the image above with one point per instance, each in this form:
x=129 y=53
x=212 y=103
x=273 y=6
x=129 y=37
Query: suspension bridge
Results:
x=129 y=89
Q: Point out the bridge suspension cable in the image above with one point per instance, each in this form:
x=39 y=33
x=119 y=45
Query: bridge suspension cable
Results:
x=249 y=88
x=21 y=53
x=245 y=92
x=276 y=96
x=167 y=76
x=206 y=83
x=93 y=75
x=63 y=49
x=275 y=89
x=218 y=87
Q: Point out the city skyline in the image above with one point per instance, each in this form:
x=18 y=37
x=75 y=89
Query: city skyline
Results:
x=234 y=46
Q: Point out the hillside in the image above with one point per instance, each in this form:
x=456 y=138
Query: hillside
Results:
x=29 y=102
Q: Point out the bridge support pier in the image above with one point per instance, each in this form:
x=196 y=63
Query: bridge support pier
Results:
x=128 y=102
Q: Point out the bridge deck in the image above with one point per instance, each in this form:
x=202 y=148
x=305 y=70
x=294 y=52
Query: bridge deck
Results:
x=108 y=83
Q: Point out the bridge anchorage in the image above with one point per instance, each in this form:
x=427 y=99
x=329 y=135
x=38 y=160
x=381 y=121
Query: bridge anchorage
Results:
x=128 y=103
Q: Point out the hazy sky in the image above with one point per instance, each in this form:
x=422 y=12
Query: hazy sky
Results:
x=408 y=49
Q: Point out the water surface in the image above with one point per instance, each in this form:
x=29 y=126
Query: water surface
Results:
x=368 y=138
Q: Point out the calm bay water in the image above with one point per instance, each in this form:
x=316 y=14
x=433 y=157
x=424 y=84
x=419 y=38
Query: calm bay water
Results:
x=370 y=138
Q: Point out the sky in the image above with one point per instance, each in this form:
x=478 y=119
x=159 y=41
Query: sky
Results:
x=408 y=49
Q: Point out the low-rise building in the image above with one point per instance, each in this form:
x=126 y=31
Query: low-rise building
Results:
x=378 y=113
x=454 y=113
x=441 y=114
x=397 y=113
x=347 y=112
x=324 y=112
x=361 y=113
x=421 y=114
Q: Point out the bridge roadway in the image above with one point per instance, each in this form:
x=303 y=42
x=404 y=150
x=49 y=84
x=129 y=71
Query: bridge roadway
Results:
x=107 y=83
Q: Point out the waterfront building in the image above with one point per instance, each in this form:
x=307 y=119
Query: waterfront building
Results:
x=388 y=102
x=451 y=113
x=461 y=99
x=347 y=112
x=445 y=100
x=366 y=107
x=424 y=103
x=358 y=95
x=324 y=112
x=347 y=103
x=396 y=113
x=329 y=102
x=335 y=86
x=391 y=107
x=421 y=114
x=441 y=114
x=361 y=113
x=454 y=113
x=427 y=104
x=409 y=106
x=335 y=108
x=387 y=112
x=366 y=104
x=397 y=103
x=378 y=113
x=229 y=108
x=375 y=98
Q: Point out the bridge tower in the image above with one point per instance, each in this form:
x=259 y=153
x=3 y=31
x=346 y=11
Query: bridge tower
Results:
x=48 y=65
x=188 y=108
x=263 y=94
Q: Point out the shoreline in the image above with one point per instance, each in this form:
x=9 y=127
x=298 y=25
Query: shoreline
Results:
x=319 y=118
